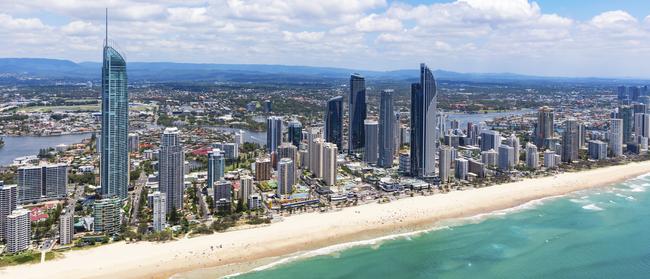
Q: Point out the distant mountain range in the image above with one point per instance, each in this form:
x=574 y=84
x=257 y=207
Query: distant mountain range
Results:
x=41 y=70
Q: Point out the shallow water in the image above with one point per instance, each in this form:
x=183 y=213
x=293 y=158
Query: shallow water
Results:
x=601 y=233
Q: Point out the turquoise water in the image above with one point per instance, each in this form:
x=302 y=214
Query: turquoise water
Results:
x=602 y=233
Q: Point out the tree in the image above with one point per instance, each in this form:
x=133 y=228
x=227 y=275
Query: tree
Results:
x=185 y=225
x=241 y=207
x=173 y=216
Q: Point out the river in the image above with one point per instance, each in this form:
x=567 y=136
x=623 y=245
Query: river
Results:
x=18 y=146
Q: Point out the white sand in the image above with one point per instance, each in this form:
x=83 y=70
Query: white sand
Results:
x=311 y=230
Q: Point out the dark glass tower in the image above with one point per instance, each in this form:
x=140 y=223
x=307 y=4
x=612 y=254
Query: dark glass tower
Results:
x=273 y=133
x=386 y=130
x=357 y=114
x=114 y=157
x=295 y=132
x=334 y=121
x=423 y=124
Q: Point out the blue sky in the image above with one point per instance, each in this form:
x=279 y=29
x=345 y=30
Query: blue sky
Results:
x=577 y=9
x=544 y=37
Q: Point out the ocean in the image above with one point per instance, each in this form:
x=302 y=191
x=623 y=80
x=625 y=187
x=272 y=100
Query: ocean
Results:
x=598 y=233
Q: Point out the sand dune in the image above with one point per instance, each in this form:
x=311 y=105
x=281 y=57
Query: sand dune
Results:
x=311 y=230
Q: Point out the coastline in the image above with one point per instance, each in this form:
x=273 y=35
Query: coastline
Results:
x=304 y=232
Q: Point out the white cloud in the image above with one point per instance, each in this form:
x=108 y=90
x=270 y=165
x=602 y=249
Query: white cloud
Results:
x=614 y=19
x=463 y=35
x=376 y=23
x=308 y=37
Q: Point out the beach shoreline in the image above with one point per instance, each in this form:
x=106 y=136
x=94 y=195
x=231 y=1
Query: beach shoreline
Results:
x=242 y=250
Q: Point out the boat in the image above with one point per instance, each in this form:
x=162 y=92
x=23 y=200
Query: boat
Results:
x=2 y=142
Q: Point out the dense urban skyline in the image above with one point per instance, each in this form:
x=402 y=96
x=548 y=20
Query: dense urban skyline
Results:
x=530 y=37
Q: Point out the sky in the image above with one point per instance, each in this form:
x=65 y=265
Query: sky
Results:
x=576 y=38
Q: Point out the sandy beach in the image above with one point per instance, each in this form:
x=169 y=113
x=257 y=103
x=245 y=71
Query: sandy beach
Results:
x=310 y=231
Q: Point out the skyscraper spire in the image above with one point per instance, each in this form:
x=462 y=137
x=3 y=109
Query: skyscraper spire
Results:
x=106 y=39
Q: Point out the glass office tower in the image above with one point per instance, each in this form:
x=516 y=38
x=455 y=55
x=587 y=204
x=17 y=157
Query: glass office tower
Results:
x=334 y=122
x=114 y=164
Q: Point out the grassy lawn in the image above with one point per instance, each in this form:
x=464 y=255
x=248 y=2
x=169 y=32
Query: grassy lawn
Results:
x=25 y=257
x=60 y=108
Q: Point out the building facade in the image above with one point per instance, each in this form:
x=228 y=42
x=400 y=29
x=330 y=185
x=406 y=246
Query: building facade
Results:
x=66 y=226
x=106 y=213
x=295 y=132
x=273 y=133
x=330 y=152
x=171 y=176
x=8 y=203
x=545 y=126
x=286 y=176
x=19 y=231
x=356 y=114
x=114 y=154
x=570 y=141
x=386 y=130
x=370 y=151
x=38 y=183
x=159 y=207
x=424 y=135
x=216 y=166
x=334 y=121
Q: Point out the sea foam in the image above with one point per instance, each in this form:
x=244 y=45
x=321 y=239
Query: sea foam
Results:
x=592 y=207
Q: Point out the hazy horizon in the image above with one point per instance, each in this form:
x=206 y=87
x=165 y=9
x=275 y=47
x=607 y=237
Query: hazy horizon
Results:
x=542 y=38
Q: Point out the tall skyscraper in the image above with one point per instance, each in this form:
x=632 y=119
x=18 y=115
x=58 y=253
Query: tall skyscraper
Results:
x=544 y=129
x=386 y=130
x=330 y=152
x=8 y=202
x=506 y=155
x=424 y=135
x=371 y=133
x=622 y=93
x=19 y=230
x=223 y=195
x=570 y=144
x=490 y=140
x=357 y=114
x=397 y=133
x=216 y=166
x=489 y=157
x=597 y=150
x=245 y=188
x=286 y=176
x=514 y=142
x=262 y=169
x=171 y=176
x=288 y=150
x=134 y=142
x=461 y=169
x=627 y=114
x=444 y=164
x=295 y=132
x=532 y=156
x=616 y=137
x=37 y=183
x=273 y=133
x=642 y=125
x=334 y=121
x=114 y=157
x=316 y=157
x=159 y=210
x=66 y=226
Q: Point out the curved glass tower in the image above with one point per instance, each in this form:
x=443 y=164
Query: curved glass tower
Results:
x=334 y=121
x=114 y=164
x=424 y=135
x=357 y=114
